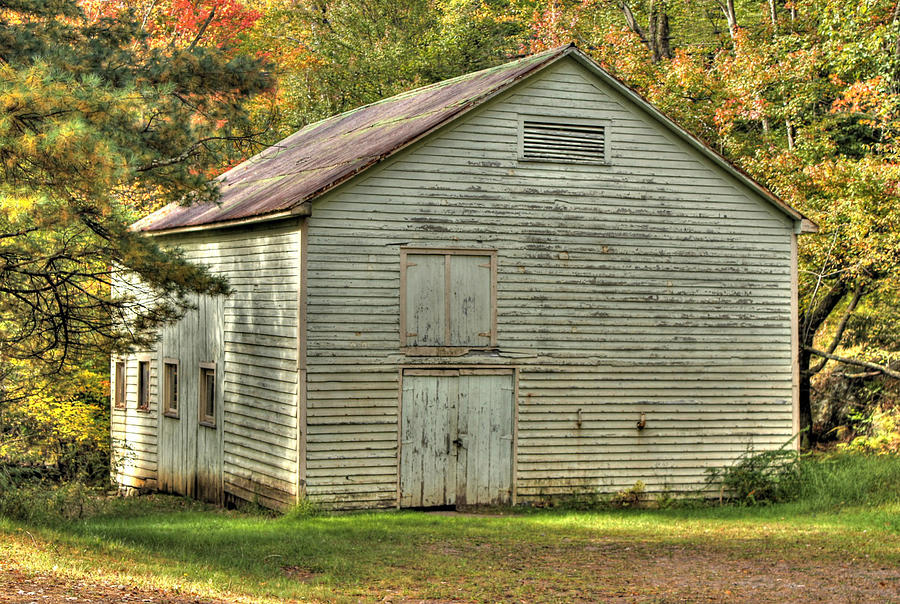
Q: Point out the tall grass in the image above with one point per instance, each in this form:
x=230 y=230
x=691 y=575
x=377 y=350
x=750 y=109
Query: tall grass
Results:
x=845 y=479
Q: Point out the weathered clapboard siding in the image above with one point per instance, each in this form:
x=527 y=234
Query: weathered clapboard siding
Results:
x=133 y=431
x=656 y=284
x=251 y=337
x=259 y=327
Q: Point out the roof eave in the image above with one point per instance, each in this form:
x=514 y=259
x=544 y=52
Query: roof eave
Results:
x=297 y=211
x=463 y=109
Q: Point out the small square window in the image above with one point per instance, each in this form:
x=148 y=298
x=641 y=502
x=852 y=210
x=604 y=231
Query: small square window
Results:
x=448 y=300
x=170 y=388
x=208 y=394
x=119 y=384
x=143 y=386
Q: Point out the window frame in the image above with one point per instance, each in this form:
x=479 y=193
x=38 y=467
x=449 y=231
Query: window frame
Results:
x=120 y=384
x=143 y=385
x=207 y=420
x=563 y=120
x=168 y=409
x=405 y=252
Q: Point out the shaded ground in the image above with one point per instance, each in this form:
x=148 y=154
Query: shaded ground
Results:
x=578 y=569
x=640 y=572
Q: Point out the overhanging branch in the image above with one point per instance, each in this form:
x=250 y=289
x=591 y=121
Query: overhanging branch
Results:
x=856 y=362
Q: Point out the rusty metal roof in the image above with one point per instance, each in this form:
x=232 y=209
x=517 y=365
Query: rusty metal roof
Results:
x=326 y=153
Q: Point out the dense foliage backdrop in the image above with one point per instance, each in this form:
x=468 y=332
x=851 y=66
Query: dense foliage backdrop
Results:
x=109 y=108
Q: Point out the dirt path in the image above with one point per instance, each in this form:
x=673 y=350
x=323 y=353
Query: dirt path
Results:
x=20 y=587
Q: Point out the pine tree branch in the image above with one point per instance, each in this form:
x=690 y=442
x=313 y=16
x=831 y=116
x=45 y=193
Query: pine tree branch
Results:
x=855 y=362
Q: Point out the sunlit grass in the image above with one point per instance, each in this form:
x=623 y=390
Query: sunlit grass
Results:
x=170 y=543
x=227 y=554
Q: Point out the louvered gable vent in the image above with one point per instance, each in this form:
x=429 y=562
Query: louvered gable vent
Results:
x=554 y=141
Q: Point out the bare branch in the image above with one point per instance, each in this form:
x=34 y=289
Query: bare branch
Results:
x=883 y=369
x=202 y=30
x=839 y=334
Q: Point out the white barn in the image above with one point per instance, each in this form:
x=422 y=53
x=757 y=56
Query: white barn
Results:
x=516 y=285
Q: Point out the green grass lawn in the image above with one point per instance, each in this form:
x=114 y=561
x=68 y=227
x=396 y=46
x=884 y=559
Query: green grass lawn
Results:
x=168 y=543
x=839 y=540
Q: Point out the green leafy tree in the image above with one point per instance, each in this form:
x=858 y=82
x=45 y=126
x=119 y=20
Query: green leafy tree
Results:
x=335 y=55
x=99 y=124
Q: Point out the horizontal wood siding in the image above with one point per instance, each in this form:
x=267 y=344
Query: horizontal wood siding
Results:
x=655 y=284
x=260 y=336
x=134 y=432
x=257 y=328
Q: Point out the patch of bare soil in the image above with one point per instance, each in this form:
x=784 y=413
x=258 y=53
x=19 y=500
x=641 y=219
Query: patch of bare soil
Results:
x=611 y=571
x=17 y=586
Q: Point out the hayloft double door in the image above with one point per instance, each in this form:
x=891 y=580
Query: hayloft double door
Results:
x=456 y=437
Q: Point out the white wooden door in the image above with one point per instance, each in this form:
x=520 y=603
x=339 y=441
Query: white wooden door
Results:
x=190 y=451
x=456 y=437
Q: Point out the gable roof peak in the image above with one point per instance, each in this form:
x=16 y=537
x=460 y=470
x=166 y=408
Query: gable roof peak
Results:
x=324 y=154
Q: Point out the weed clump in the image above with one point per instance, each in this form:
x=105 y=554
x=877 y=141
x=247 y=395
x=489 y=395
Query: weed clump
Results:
x=45 y=502
x=303 y=509
x=759 y=478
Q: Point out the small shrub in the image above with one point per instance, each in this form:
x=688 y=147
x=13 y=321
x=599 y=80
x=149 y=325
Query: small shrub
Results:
x=880 y=432
x=47 y=503
x=665 y=500
x=759 y=478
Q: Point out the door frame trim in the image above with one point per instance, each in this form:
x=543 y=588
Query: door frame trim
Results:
x=471 y=369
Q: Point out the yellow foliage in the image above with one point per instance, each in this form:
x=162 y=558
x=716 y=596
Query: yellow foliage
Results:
x=883 y=434
x=57 y=420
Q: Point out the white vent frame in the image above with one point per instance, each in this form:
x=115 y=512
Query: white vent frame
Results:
x=564 y=120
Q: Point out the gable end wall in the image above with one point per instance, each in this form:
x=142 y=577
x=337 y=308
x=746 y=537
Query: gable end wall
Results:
x=657 y=284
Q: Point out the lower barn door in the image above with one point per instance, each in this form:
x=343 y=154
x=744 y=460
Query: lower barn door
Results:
x=190 y=392
x=427 y=456
x=456 y=437
x=485 y=437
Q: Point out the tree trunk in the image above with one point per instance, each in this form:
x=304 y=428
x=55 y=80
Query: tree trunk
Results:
x=810 y=322
x=652 y=35
x=895 y=20
x=807 y=437
x=727 y=7
x=663 y=47
x=656 y=37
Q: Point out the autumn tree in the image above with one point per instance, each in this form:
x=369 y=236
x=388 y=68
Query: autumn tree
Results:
x=95 y=121
x=335 y=55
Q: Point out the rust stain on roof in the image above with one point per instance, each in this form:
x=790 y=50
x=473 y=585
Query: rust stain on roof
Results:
x=327 y=153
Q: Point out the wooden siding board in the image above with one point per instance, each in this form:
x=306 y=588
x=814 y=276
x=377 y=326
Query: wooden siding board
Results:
x=251 y=335
x=660 y=286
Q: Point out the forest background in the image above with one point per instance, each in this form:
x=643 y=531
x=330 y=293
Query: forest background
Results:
x=804 y=95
